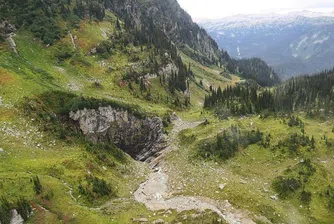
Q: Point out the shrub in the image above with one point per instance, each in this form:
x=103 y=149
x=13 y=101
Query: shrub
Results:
x=295 y=141
x=5 y=211
x=306 y=169
x=37 y=185
x=305 y=197
x=73 y=20
x=295 y=121
x=104 y=49
x=296 y=178
x=46 y=29
x=286 y=186
x=331 y=203
x=330 y=195
x=96 y=188
x=227 y=144
x=23 y=208
x=99 y=149
x=63 y=53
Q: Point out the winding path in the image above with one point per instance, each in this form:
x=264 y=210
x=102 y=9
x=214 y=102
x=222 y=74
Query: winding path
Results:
x=154 y=192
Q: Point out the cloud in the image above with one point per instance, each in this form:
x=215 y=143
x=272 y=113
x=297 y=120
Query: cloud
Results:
x=221 y=8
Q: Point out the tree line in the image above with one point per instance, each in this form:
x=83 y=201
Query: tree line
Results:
x=309 y=93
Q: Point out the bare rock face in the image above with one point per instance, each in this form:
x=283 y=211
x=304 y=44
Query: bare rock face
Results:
x=168 y=70
x=16 y=218
x=7 y=32
x=140 y=138
x=6 y=28
x=170 y=18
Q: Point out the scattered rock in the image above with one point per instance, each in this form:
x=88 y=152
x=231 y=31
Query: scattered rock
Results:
x=195 y=216
x=274 y=197
x=73 y=87
x=243 y=181
x=140 y=220
x=1 y=150
x=12 y=42
x=16 y=218
x=72 y=40
x=169 y=69
x=159 y=221
x=93 y=50
x=174 y=117
x=222 y=186
x=265 y=190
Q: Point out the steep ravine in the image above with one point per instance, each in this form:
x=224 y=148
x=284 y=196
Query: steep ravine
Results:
x=154 y=193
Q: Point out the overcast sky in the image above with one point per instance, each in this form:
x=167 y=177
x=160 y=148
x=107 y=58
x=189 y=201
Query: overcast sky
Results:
x=222 y=8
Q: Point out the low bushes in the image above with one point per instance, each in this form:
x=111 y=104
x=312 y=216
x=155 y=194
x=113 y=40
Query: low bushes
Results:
x=286 y=186
x=226 y=145
x=94 y=188
x=22 y=207
x=294 y=182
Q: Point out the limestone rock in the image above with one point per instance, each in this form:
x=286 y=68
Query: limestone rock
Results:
x=140 y=220
x=222 y=186
x=140 y=138
x=16 y=218
x=159 y=221
x=274 y=197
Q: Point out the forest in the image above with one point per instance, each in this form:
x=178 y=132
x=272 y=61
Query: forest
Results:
x=312 y=94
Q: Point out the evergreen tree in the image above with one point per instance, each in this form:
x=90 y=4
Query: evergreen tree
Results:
x=118 y=25
x=37 y=185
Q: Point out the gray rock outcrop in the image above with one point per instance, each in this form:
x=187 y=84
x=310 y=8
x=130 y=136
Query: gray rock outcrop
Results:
x=140 y=138
x=7 y=32
x=16 y=218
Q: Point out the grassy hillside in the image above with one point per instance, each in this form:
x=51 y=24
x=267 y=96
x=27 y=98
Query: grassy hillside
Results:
x=102 y=64
x=248 y=178
x=63 y=163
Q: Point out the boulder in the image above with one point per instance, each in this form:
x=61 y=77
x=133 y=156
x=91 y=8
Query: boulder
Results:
x=222 y=186
x=16 y=218
x=274 y=197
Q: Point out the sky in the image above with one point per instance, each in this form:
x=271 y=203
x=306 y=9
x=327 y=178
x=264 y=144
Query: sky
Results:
x=210 y=9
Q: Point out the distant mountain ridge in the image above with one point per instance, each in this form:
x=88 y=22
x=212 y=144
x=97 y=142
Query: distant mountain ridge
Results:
x=293 y=44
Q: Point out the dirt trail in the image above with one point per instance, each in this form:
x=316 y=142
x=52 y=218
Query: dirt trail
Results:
x=154 y=193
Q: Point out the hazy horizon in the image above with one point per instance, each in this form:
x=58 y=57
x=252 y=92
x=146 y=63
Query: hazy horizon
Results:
x=214 y=9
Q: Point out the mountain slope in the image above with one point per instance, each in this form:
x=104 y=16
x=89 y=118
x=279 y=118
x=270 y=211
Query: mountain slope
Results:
x=188 y=36
x=81 y=84
x=293 y=44
x=173 y=20
x=82 y=58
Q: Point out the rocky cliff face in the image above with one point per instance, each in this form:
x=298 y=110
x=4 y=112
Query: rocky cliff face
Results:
x=168 y=16
x=140 y=138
